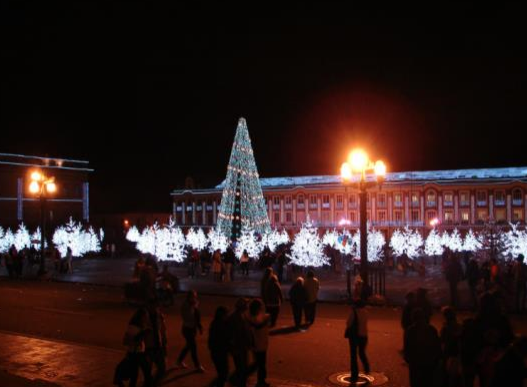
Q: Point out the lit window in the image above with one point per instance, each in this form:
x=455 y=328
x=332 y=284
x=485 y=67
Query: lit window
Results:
x=340 y=201
x=464 y=198
x=398 y=199
x=415 y=215
x=381 y=200
x=482 y=215
x=448 y=199
x=313 y=199
x=499 y=197
x=288 y=200
x=431 y=215
x=276 y=200
x=501 y=215
x=481 y=197
x=449 y=216
x=381 y=216
x=517 y=197
x=431 y=198
x=325 y=199
x=353 y=200
x=517 y=215
x=465 y=216
x=415 y=199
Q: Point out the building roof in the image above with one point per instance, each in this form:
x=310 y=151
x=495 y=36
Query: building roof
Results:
x=396 y=177
x=44 y=162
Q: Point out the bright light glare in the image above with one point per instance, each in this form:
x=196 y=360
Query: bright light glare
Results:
x=36 y=176
x=434 y=222
x=380 y=168
x=34 y=187
x=51 y=187
x=358 y=159
x=345 y=171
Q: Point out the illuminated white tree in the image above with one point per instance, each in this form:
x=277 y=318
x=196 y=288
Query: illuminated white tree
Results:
x=273 y=239
x=196 y=239
x=170 y=243
x=455 y=242
x=70 y=235
x=307 y=249
x=376 y=242
x=409 y=242
x=147 y=240
x=515 y=242
x=471 y=242
x=398 y=243
x=248 y=241
x=6 y=240
x=445 y=239
x=36 y=238
x=133 y=234
x=331 y=239
x=22 y=238
x=433 y=245
x=217 y=240
x=93 y=244
x=283 y=238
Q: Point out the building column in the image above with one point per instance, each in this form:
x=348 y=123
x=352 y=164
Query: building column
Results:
x=472 y=209
x=509 y=208
x=456 y=209
x=319 y=208
x=20 y=200
x=294 y=210
x=193 y=212
x=183 y=213
x=491 y=207
x=406 y=209
x=423 y=215
x=174 y=209
x=390 y=207
x=86 y=201
x=332 y=210
x=282 y=215
x=346 y=199
x=440 y=208
x=204 y=213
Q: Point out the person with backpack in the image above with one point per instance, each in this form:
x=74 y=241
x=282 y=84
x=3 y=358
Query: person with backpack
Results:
x=357 y=335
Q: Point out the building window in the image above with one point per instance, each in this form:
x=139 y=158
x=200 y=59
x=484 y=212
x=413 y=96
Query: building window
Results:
x=340 y=201
x=398 y=216
x=431 y=215
x=517 y=196
x=288 y=200
x=464 y=199
x=449 y=217
x=353 y=217
x=482 y=215
x=288 y=217
x=300 y=201
x=481 y=198
x=381 y=198
x=276 y=202
x=313 y=201
x=499 y=198
x=517 y=215
x=448 y=199
x=381 y=216
x=500 y=215
x=398 y=199
x=325 y=217
x=353 y=201
x=415 y=216
x=276 y=217
x=325 y=201
x=415 y=199
x=465 y=217
x=430 y=199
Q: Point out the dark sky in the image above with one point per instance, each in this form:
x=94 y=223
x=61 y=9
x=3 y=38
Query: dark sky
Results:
x=151 y=94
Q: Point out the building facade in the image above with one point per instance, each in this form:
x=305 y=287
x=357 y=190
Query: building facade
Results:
x=18 y=205
x=456 y=198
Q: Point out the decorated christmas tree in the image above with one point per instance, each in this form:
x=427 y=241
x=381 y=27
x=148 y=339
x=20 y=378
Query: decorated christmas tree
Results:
x=471 y=242
x=307 y=249
x=242 y=203
x=433 y=245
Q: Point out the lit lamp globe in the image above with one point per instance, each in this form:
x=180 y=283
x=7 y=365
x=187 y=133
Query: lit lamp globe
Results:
x=36 y=176
x=380 y=169
x=51 y=187
x=345 y=172
x=358 y=159
x=34 y=187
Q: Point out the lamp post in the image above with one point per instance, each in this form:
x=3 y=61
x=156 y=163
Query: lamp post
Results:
x=359 y=162
x=40 y=186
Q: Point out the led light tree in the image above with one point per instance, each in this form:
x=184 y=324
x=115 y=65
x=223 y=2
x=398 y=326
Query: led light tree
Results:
x=8 y=240
x=170 y=243
x=398 y=243
x=406 y=242
x=445 y=239
x=273 y=239
x=283 y=238
x=242 y=203
x=22 y=238
x=433 y=245
x=492 y=240
x=93 y=244
x=133 y=234
x=471 y=242
x=217 y=241
x=147 y=240
x=515 y=242
x=376 y=242
x=307 y=249
x=71 y=235
x=36 y=239
x=4 y=247
x=331 y=239
x=455 y=242
x=196 y=239
x=249 y=242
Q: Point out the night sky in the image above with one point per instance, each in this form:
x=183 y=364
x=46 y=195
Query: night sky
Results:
x=151 y=94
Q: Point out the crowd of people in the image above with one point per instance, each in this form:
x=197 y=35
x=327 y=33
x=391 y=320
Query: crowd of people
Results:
x=16 y=261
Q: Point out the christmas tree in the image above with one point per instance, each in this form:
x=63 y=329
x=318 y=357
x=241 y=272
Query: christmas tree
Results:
x=242 y=203
x=307 y=249
x=433 y=244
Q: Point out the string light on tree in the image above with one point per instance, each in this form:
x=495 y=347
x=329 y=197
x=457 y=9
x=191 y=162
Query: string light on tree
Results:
x=133 y=234
x=471 y=242
x=433 y=245
x=196 y=239
x=217 y=241
x=307 y=249
x=248 y=242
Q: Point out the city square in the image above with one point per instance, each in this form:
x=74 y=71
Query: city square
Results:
x=207 y=196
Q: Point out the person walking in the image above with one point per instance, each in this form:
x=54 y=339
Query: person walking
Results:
x=312 y=286
x=240 y=342
x=422 y=350
x=268 y=272
x=69 y=260
x=191 y=317
x=244 y=263
x=450 y=337
x=259 y=322
x=297 y=297
x=228 y=261
x=273 y=298
x=156 y=340
x=519 y=275
x=134 y=340
x=472 y=274
x=219 y=345
x=357 y=335
x=216 y=265
x=454 y=274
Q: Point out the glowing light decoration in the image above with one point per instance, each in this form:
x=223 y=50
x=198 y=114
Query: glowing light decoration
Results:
x=36 y=238
x=242 y=204
x=455 y=242
x=248 y=241
x=6 y=240
x=274 y=239
x=71 y=235
x=445 y=239
x=197 y=239
x=22 y=238
x=407 y=241
x=433 y=245
x=133 y=234
x=471 y=242
x=147 y=240
x=217 y=241
x=93 y=243
x=307 y=249
x=376 y=242
x=170 y=243
x=331 y=239
x=515 y=242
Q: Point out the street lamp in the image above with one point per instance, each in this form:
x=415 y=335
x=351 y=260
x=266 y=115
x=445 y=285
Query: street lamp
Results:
x=41 y=185
x=359 y=162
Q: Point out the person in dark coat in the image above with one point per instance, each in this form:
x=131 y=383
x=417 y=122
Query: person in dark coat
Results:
x=273 y=298
x=473 y=277
x=241 y=341
x=450 y=336
x=357 y=335
x=422 y=302
x=422 y=350
x=156 y=340
x=297 y=297
x=454 y=274
x=511 y=369
x=519 y=277
x=268 y=273
x=219 y=345
x=406 y=316
x=191 y=317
